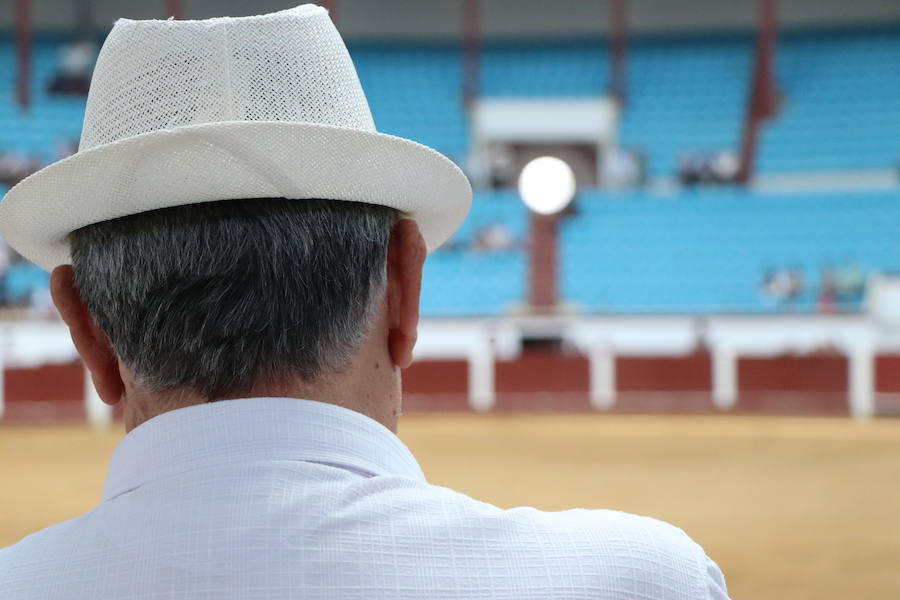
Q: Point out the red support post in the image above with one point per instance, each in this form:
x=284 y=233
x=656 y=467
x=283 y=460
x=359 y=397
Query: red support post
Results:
x=618 y=42
x=762 y=101
x=543 y=295
x=768 y=95
x=471 y=51
x=331 y=7
x=23 y=53
x=174 y=8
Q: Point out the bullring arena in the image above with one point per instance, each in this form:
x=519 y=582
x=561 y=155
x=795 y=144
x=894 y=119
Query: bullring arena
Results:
x=789 y=493
x=696 y=319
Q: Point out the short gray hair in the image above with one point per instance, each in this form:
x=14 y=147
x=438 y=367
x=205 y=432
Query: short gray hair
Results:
x=218 y=296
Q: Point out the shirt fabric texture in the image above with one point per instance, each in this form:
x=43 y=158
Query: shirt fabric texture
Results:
x=280 y=498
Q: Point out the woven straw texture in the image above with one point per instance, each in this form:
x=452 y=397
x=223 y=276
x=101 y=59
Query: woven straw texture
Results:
x=252 y=107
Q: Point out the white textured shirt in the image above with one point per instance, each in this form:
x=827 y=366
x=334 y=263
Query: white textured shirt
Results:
x=277 y=498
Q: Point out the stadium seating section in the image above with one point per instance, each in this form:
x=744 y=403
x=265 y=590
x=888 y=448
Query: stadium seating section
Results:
x=839 y=106
x=633 y=252
x=708 y=251
x=686 y=253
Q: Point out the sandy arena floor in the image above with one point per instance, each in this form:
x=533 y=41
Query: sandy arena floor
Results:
x=790 y=508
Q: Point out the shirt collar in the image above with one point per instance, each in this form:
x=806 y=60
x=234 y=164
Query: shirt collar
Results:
x=230 y=431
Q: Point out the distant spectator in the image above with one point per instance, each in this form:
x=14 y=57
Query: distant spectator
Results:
x=850 y=283
x=690 y=169
x=494 y=238
x=783 y=287
x=775 y=286
x=501 y=165
x=725 y=166
x=797 y=284
x=76 y=63
x=696 y=169
x=622 y=168
x=14 y=167
x=716 y=167
x=12 y=164
x=828 y=297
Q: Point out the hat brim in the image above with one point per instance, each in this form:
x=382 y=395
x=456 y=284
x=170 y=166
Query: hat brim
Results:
x=232 y=160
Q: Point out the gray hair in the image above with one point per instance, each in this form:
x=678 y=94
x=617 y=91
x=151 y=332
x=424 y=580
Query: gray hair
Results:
x=218 y=296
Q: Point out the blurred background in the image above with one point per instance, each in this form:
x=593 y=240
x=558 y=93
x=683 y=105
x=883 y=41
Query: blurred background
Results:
x=692 y=311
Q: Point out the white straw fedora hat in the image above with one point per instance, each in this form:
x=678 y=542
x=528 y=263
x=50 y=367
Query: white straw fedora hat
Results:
x=181 y=112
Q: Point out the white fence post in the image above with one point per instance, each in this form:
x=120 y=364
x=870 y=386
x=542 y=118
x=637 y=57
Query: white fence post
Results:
x=482 y=394
x=724 y=377
x=99 y=414
x=861 y=379
x=602 y=377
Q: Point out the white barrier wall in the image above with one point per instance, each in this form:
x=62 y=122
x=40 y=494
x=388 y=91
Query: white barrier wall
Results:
x=27 y=344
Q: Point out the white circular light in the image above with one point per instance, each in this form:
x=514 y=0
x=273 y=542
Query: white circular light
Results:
x=547 y=185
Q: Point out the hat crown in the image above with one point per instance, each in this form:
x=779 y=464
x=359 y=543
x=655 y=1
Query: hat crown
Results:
x=288 y=66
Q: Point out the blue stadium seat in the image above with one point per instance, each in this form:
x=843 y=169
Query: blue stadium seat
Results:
x=699 y=252
x=840 y=108
x=686 y=93
x=629 y=252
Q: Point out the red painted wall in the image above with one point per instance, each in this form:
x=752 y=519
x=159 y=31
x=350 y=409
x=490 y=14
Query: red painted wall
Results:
x=814 y=373
x=436 y=385
x=681 y=373
x=544 y=379
x=49 y=393
x=52 y=383
x=664 y=384
x=789 y=383
x=887 y=373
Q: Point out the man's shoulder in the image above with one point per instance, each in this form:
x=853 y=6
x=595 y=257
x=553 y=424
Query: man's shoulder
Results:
x=604 y=531
x=427 y=503
x=29 y=558
x=612 y=549
x=578 y=522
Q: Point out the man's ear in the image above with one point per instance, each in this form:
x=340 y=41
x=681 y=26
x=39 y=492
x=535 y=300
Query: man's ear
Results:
x=406 y=257
x=90 y=341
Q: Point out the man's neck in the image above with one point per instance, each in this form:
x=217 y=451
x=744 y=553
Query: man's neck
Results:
x=377 y=396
